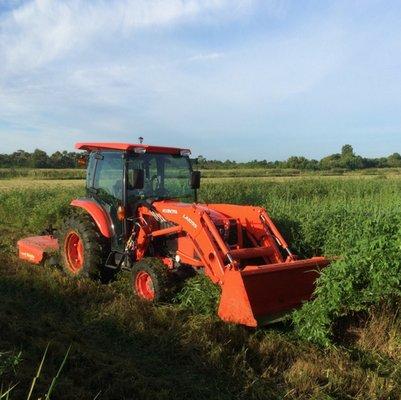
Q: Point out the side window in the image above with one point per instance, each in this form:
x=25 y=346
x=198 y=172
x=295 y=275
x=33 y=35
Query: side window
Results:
x=177 y=175
x=133 y=164
x=109 y=175
x=151 y=172
x=90 y=171
x=148 y=163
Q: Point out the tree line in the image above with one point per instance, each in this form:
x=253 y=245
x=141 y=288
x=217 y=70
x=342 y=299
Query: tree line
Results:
x=39 y=159
x=346 y=159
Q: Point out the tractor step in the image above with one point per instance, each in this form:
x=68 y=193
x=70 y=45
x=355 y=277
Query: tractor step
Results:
x=115 y=260
x=113 y=267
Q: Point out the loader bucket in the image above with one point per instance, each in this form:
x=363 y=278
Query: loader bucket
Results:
x=259 y=295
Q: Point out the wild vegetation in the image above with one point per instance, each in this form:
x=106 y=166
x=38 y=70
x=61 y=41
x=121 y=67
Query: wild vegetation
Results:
x=344 y=344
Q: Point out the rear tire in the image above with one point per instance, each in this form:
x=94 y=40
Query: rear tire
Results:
x=151 y=280
x=83 y=248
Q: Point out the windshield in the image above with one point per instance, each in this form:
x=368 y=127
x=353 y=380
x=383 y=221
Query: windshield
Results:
x=166 y=176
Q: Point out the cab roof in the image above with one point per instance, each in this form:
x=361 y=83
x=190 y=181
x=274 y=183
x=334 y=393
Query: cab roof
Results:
x=138 y=148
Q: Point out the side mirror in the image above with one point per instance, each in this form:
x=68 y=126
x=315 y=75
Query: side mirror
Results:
x=195 y=179
x=136 y=179
x=82 y=161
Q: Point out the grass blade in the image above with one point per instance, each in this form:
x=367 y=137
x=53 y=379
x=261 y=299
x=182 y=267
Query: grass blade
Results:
x=6 y=395
x=54 y=381
x=38 y=372
x=97 y=396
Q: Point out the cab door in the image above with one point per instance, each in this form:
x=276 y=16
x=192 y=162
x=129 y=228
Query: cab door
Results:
x=107 y=188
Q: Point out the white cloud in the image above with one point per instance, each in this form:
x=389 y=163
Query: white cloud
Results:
x=206 y=56
x=41 y=31
x=61 y=68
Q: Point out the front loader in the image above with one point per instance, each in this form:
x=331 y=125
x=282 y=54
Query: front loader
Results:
x=141 y=213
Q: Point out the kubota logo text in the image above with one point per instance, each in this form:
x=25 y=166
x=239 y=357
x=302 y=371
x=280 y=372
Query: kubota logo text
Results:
x=169 y=211
x=189 y=220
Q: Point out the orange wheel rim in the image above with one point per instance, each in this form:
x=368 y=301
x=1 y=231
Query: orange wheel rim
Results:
x=144 y=286
x=74 y=251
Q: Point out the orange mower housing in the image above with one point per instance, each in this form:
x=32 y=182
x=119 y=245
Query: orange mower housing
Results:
x=141 y=213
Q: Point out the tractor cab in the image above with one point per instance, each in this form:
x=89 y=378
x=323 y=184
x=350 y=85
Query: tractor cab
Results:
x=121 y=178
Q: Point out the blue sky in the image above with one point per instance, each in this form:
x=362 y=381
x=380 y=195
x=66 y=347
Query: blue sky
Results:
x=238 y=79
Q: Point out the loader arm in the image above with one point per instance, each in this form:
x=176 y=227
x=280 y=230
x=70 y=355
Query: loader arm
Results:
x=198 y=238
x=258 y=224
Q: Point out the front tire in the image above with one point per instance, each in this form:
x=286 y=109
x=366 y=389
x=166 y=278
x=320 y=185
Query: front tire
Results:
x=83 y=248
x=151 y=280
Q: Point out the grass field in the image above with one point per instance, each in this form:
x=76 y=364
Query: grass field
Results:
x=345 y=344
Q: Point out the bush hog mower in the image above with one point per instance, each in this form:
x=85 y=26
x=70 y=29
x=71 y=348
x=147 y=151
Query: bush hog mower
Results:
x=141 y=213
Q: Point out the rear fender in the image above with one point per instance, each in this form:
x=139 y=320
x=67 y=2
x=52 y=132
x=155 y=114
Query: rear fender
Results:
x=99 y=215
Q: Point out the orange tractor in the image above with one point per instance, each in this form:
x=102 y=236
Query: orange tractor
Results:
x=141 y=213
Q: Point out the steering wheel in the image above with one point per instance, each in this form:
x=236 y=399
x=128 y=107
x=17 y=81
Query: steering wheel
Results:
x=152 y=181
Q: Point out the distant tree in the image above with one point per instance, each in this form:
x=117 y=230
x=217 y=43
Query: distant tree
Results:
x=394 y=160
x=298 y=163
x=313 y=165
x=352 y=162
x=370 y=163
x=382 y=162
x=20 y=158
x=201 y=160
x=57 y=160
x=40 y=159
x=347 y=151
x=63 y=160
x=330 y=162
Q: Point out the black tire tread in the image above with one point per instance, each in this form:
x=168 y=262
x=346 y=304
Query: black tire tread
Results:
x=160 y=276
x=96 y=246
